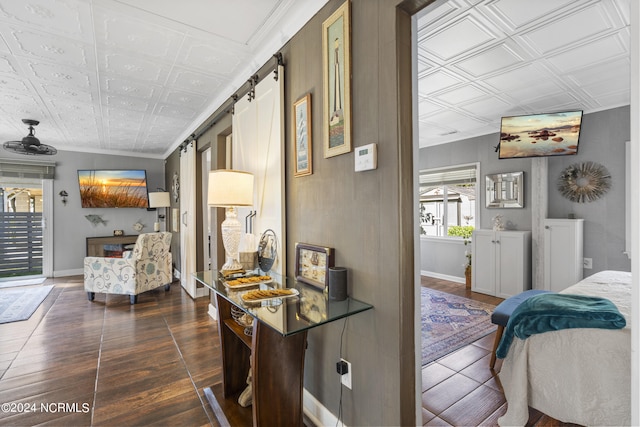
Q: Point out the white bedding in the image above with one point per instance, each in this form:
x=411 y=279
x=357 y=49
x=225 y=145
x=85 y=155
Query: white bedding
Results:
x=579 y=376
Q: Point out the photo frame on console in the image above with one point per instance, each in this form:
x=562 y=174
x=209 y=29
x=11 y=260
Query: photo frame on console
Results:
x=312 y=264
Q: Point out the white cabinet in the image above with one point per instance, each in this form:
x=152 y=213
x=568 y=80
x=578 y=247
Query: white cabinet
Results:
x=562 y=253
x=501 y=262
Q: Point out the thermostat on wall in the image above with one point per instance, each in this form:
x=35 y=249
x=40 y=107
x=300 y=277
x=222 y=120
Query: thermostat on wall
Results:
x=366 y=157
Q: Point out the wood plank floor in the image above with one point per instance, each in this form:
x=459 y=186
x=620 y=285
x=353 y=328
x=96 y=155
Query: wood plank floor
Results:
x=110 y=363
x=460 y=389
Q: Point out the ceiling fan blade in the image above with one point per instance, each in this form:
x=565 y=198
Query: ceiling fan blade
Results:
x=29 y=145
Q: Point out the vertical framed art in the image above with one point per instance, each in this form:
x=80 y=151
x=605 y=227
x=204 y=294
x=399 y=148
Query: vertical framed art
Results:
x=336 y=70
x=302 y=136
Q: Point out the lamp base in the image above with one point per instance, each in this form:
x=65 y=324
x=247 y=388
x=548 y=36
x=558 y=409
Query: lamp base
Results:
x=232 y=266
x=231 y=230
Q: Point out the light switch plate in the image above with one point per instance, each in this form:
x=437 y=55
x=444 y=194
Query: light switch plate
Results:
x=366 y=157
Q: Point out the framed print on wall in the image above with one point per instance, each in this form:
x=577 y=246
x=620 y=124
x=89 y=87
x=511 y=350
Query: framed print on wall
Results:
x=302 y=136
x=312 y=264
x=336 y=70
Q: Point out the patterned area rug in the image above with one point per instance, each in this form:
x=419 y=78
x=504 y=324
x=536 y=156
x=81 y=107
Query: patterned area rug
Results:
x=22 y=282
x=19 y=303
x=450 y=322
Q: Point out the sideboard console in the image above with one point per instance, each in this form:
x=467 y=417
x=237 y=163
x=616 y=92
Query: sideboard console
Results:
x=272 y=348
x=109 y=246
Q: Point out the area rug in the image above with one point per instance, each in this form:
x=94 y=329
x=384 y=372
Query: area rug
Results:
x=22 y=282
x=450 y=322
x=19 y=303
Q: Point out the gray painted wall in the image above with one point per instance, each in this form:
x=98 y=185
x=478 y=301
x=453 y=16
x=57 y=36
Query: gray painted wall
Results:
x=602 y=140
x=71 y=228
x=358 y=214
x=481 y=149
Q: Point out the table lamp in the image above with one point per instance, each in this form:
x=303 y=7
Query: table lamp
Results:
x=228 y=189
x=159 y=199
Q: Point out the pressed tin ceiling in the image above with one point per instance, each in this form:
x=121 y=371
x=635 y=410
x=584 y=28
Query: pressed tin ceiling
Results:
x=481 y=60
x=131 y=77
x=136 y=77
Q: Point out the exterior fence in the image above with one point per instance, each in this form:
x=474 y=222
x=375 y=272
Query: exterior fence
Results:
x=20 y=243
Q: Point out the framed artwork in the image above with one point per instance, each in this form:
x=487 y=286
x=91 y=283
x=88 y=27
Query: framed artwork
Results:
x=505 y=190
x=312 y=264
x=336 y=70
x=302 y=136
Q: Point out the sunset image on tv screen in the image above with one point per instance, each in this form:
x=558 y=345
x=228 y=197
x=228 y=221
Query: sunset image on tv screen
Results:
x=113 y=188
x=554 y=134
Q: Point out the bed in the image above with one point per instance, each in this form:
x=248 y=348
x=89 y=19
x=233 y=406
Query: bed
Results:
x=580 y=376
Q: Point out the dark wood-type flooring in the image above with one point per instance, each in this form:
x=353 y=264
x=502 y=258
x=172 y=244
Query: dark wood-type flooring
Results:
x=122 y=365
x=460 y=389
x=110 y=363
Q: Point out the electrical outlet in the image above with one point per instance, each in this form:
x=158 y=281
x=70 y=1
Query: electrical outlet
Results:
x=587 y=263
x=346 y=376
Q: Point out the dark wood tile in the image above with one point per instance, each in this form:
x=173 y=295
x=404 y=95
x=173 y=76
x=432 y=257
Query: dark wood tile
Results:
x=433 y=374
x=460 y=389
x=464 y=357
x=477 y=405
x=445 y=394
x=131 y=365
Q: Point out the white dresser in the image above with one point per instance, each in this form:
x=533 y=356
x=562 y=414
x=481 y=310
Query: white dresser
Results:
x=501 y=262
x=563 y=257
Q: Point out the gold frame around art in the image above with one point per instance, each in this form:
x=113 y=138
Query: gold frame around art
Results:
x=336 y=61
x=302 y=144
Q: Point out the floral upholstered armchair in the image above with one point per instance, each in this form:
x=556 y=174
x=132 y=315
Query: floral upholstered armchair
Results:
x=146 y=267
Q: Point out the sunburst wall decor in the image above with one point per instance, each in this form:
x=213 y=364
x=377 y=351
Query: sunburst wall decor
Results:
x=584 y=182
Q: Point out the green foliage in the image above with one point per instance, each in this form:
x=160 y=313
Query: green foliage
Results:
x=463 y=231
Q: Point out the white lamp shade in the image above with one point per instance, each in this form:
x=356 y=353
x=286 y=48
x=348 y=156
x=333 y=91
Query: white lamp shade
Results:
x=159 y=200
x=230 y=188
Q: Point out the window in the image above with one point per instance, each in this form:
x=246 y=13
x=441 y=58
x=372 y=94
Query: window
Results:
x=448 y=197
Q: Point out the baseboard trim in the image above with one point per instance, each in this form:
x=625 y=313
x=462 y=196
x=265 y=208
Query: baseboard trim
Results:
x=316 y=413
x=202 y=292
x=213 y=312
x=443 y=276
x=65 y=273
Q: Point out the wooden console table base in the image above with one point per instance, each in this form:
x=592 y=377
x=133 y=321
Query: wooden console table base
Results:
x=277 y=364
x=274 y=352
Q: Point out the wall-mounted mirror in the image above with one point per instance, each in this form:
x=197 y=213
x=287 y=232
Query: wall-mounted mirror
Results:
x=505 y=190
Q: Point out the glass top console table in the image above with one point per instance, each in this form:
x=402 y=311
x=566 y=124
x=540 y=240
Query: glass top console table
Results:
x=267 y=338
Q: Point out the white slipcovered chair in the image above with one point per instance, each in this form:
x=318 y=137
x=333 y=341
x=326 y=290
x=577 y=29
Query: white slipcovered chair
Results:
x=146 y=267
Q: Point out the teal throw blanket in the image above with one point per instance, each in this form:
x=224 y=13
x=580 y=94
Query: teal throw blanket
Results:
x=551 y=312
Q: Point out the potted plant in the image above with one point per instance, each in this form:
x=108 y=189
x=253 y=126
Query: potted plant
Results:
x=467 y=266
x=464 y=231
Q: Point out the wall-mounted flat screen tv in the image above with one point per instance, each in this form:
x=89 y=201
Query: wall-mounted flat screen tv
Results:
x=113 y=188
x=540 y=135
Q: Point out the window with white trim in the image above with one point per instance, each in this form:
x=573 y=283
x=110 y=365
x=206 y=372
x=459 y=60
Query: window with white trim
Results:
x=448 y=198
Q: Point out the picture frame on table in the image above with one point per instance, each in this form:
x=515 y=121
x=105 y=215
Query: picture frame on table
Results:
x=336 y=71
x=303 y=149
x=312 y=264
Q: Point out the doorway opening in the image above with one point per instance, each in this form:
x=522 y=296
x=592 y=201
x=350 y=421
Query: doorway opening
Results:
x=21 y=230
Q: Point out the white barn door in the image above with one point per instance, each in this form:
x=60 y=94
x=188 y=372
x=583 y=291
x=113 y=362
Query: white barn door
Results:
x=258 y=147
x=188 y=220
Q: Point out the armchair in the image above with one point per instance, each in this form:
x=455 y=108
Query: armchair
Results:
x=146 y=267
